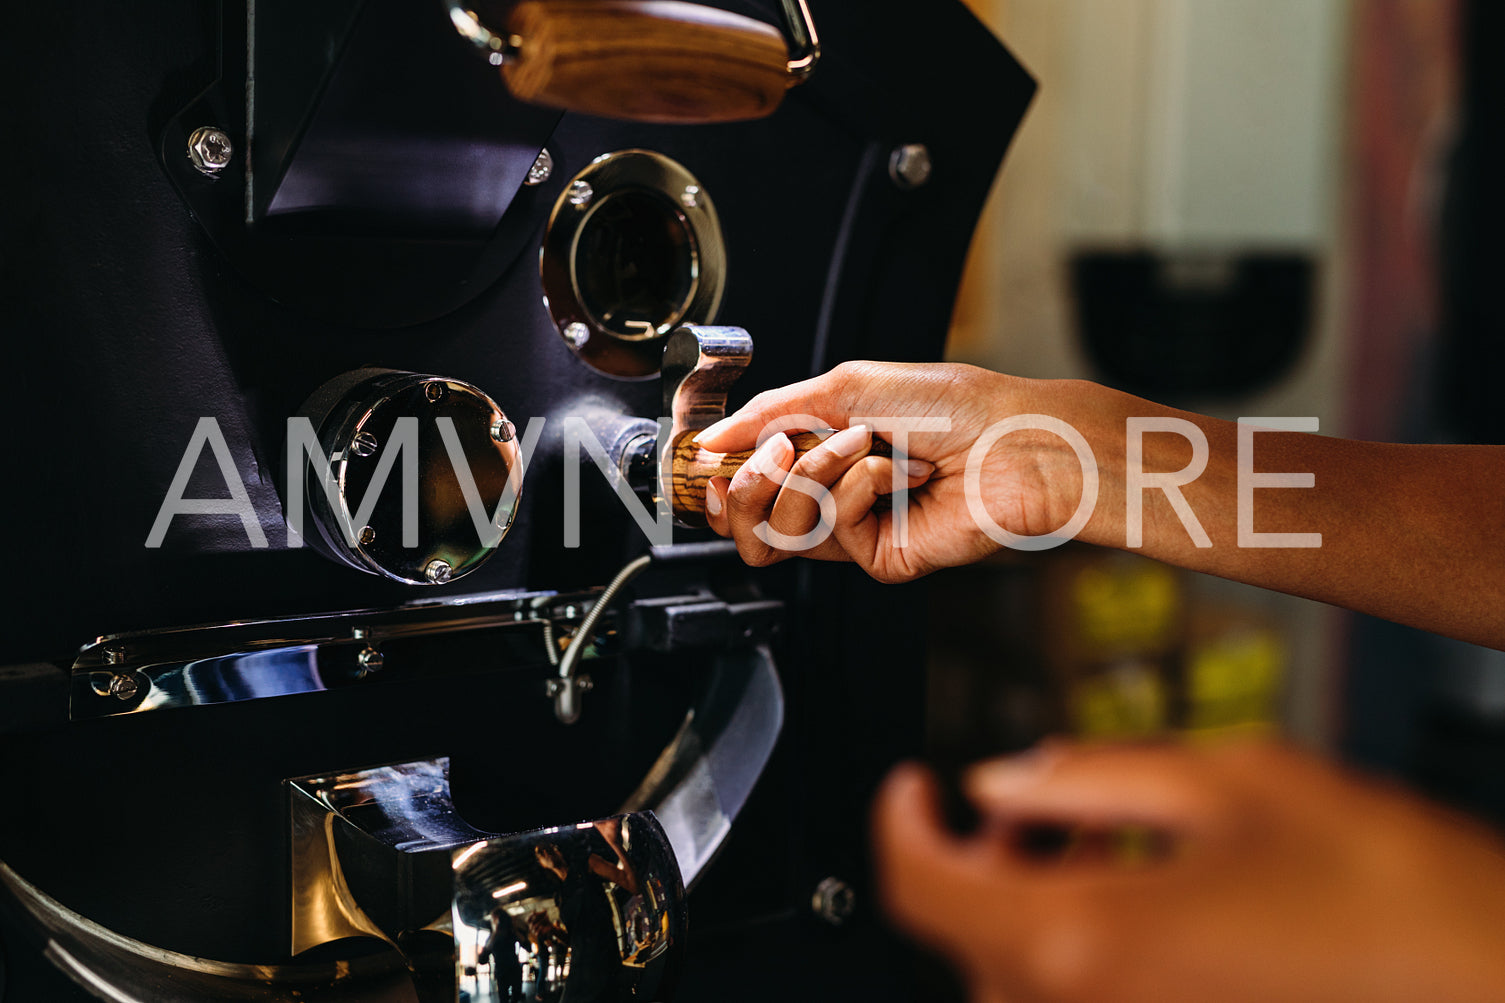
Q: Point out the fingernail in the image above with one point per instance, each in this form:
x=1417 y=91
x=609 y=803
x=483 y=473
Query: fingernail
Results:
x=770 y=458
x=1002 y=778
x=919 y=468
x=713 y=503
x=711 y=431
x=850 y=441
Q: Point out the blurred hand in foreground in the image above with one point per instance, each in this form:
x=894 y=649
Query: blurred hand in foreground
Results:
x=1260 y=874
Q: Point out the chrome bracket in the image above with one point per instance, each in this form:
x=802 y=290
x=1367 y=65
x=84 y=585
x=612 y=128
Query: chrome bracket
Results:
x=149 y=670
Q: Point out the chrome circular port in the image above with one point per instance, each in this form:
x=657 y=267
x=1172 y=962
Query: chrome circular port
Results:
x=409 y=477
x=642 y=254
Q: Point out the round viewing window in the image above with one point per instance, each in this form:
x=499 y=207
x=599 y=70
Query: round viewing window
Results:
x=633 y=249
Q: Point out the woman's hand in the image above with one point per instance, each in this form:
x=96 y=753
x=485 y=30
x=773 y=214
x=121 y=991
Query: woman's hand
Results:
x=1029 y=484
x=1277 y=877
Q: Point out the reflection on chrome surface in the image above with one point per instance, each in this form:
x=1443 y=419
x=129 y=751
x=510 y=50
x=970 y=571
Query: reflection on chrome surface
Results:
x=593 y=910
x=454 y=441
x=596 y=907
x=382 y=854
x=704 y=776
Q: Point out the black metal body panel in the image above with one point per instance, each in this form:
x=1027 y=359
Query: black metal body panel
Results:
x=124 y=324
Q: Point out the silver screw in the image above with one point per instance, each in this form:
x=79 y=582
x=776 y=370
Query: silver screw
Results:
x=909 y=166
x=834 y=901
x=435 y=390
x=690 y=197
x=123 y=686
x=553 y=688
x=581 y=193
x=541 y=170
x=364 y=444
x=584 y=684
x=576 y=333
x=368 y=536
x=370 y=660
x=210 y=150
x=503 y=430
x=438 y=571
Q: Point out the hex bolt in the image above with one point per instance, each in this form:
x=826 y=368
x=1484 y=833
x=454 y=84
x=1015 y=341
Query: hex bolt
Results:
x=123 y=686
x=503 y=430
x=210 y=150
x=542 y=169
x=577 y=334
x=371 y=660
x=438 y=571
x=435 y=390
x=910 y=166
x=834 y=901
x=581 y=194
x=364 y=444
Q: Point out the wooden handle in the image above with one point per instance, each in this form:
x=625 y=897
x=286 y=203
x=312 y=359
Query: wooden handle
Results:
x=646 y=60
x=694 y=467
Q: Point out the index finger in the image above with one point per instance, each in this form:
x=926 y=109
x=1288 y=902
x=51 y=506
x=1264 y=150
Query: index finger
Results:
x=1162 y=785
x=823 y=397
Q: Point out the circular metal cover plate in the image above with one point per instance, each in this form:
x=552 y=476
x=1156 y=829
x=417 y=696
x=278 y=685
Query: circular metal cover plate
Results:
x=446 y=464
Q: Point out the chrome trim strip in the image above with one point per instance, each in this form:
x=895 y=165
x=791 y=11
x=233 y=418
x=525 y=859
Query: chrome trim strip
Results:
x=150 y=670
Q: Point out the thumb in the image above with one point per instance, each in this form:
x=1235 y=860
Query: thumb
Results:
x=919 y=861
x=1154 y=785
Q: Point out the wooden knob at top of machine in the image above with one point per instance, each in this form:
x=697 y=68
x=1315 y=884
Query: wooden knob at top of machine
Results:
x=648 y=62
x=666 y=61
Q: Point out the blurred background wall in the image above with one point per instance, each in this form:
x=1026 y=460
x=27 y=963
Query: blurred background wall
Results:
x=1254 y=186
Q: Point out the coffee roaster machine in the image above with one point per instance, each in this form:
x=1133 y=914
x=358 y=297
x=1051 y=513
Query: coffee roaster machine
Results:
x=437 y=286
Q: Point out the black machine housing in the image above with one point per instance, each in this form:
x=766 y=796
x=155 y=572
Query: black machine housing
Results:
x=138 y=296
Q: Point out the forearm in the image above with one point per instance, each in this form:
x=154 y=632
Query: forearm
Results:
x=1414 y=534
